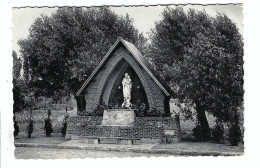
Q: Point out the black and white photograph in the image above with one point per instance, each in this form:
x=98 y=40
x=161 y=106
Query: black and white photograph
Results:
x=128 y=81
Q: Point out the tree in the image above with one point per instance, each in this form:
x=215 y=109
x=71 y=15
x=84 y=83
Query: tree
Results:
x=62 y=50
x=17 y=66
x=201 y=58
x=18 y=84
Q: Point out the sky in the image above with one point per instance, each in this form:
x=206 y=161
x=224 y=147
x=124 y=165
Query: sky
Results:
x=144 y=17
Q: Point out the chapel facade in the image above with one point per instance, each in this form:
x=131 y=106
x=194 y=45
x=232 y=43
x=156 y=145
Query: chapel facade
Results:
x=104 y=84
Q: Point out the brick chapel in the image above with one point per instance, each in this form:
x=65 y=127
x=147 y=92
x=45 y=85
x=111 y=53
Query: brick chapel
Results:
x=104 y=85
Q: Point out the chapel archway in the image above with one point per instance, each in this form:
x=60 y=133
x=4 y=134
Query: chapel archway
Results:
x=113 y=94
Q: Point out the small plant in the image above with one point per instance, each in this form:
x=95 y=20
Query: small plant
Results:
x=30 y=128
x=152 y=113
x=142 y=110
x=16 y=127
x=217 y=133
x=155 y=113
x=47 y=125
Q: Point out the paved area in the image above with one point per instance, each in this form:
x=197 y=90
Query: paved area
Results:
x=42 y=140
x=58 y=147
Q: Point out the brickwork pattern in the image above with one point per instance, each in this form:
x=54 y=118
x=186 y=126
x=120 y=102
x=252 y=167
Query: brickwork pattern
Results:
x=144 y=127
x=94 y=91
x=126 y=132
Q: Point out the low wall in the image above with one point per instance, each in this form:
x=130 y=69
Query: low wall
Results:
x=144 y=127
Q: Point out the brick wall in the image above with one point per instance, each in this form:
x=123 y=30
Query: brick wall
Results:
x=94 y=91
x=144 y=127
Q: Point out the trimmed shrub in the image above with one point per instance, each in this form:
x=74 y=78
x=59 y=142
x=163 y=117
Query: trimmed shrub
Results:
x=234 y=134
x=217 y=133
x=197 y=133
x=30 y=128
x=16 y=127
x=64 y=128
x=48 y=125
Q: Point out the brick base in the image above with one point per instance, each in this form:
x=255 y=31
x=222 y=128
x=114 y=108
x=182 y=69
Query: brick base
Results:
x=147 y=129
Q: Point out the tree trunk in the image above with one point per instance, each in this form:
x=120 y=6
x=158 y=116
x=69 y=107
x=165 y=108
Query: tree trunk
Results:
x=201 y=116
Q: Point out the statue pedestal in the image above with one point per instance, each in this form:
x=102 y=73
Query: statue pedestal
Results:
x=118 y=117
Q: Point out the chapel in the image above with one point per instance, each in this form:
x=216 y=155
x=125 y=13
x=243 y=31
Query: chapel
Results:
x=109 y=101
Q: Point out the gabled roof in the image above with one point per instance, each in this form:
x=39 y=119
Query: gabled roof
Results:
x=140 y=59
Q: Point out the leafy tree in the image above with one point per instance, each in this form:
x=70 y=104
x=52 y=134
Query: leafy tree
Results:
x=62 y=50
x=18 y=84
x=201 y=58
x=17 y=66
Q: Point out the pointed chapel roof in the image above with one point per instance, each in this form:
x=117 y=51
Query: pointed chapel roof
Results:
x=140 y=59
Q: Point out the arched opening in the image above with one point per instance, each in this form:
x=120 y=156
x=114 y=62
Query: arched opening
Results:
x=113 y=93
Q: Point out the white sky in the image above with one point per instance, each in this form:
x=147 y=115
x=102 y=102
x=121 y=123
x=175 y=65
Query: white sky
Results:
x=144 y=17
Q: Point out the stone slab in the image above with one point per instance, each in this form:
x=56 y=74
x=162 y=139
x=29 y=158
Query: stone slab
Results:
x=92 y=141
x=109 y=141
x=126 y=142
x=118 y=117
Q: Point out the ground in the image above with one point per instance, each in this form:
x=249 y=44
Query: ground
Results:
x=50 y=153
x=57 y=147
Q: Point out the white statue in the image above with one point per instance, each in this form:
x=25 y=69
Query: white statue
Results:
x=127 y=88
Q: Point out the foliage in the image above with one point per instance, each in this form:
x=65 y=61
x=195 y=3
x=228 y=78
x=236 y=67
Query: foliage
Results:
x=17 y=66
x=62 y=49
x=48 y=125
x=142 y=110
x=18 y=84
x=201 y=58
x=16 y=127
x=30 y=127
x=186 y=109
x=217 y=133
x=154 y=113
x=22 y=94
